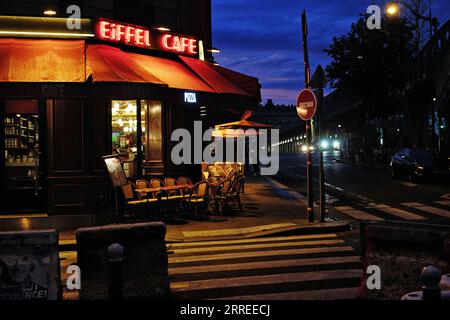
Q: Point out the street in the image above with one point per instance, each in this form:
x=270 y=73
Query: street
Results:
x=367 y=192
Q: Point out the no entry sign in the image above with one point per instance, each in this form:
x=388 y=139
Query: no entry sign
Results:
x=306 y=104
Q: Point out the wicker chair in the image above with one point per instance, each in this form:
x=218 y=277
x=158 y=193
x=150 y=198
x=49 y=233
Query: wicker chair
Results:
x=198 y=197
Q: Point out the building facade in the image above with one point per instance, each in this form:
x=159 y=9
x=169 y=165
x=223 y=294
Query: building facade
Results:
x=70 y=97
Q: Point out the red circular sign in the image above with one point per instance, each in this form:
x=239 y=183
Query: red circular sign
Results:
x=306 y=104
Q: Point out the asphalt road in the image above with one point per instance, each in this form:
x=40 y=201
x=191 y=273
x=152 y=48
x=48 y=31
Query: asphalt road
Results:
x=367 y=192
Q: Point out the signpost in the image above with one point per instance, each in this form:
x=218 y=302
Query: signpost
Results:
x=306 y=104
x=319 y=81
x=306 y=108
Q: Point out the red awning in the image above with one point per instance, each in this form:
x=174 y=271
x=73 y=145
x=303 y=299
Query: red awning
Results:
x=173 y=73
x=249 y=84
x=218 y=82
x=109 y=64
x=24 y=60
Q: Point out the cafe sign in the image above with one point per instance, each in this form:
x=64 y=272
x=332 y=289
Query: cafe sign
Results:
x=119 y=32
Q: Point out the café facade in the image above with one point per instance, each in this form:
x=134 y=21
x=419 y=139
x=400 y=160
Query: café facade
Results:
x=68 y=97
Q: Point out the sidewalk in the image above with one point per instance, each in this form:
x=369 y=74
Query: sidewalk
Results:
x=268 y=208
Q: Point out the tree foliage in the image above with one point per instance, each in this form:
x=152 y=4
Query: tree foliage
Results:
x=372 y=64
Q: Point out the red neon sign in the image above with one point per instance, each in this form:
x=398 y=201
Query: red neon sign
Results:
x=179 y=44
x=114 y=31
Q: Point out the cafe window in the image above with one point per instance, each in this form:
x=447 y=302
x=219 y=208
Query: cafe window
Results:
x=124 y=133
x=137 y=133
x=153 y=130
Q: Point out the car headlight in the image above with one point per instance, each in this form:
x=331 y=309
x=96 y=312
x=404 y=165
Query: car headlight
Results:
x=304 y=148
x=324 y=144
x=336 y=145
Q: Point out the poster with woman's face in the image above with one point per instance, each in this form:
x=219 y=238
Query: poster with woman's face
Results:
x=28 y=270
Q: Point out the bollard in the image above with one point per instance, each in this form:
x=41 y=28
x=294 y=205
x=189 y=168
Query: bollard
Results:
x=431 y=276
x=115 y=257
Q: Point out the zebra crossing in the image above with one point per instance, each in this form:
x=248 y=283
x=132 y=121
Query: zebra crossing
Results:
x=409 y=211
x=319 y=266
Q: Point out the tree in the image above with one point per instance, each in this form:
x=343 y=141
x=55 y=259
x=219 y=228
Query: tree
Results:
x=373 y=65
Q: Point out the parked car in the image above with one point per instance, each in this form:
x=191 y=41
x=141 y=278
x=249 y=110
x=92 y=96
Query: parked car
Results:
x=412 y=164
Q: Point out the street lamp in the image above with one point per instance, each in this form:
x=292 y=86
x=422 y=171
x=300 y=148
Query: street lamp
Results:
x=392 y=9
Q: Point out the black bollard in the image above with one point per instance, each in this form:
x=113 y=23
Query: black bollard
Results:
x=431 y=277
x=115 y=258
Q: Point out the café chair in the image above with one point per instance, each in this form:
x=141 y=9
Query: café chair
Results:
x=198 y=198
x=132 y=205
x=141 y=184
x=234 y=194
x=183 y=181
x=156 y=183
x=171 y=182
x=220 y=196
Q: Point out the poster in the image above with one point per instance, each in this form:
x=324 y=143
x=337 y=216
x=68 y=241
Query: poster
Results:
x=115 y=171
x=29 y=266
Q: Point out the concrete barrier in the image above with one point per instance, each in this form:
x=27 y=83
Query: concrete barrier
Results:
x=145 y=262
x=402 y=250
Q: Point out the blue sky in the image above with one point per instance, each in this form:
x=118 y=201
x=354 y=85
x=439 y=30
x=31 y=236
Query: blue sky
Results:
x=262 y=38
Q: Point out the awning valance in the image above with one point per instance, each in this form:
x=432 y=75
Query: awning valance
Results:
x=24 y=60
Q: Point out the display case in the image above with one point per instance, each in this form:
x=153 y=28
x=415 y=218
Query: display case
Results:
x=21 y=150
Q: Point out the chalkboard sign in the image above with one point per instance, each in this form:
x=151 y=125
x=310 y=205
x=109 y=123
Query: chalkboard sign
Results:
x=29 y=266
x=115 y=171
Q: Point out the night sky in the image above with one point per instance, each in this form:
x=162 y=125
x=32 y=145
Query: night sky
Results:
x=262 y=38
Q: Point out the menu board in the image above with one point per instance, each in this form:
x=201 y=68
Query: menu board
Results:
x=29 y=265
x=115 y=170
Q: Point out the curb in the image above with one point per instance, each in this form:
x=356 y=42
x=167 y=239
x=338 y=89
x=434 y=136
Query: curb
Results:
x=318 y=228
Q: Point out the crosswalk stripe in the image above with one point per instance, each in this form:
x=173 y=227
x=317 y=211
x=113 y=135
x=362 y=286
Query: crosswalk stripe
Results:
x=252 y=240
x=444 y=202
x=273 y=253
x=327 y=294
x=259 y=246
x=396 y=212
x=266 y=279
x=264 y=265
x=426 y=208
x=358 y=214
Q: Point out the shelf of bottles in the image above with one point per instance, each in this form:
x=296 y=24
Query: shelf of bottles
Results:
x=21 y=150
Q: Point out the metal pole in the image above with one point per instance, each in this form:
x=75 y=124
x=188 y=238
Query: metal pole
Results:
x=310 y=208
x=321 y=171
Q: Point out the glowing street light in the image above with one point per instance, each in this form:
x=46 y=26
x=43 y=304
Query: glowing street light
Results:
x=50 y=12
x=392 y=9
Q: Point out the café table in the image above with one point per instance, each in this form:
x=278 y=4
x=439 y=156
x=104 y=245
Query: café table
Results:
x=160 y=191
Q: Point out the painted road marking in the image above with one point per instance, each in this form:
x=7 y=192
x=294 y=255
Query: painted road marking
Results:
x=444 y=203
x=284 y=267
x=327 y=294
x=273 y=253
x=252 y=240
x=260 y=246
x=395 y=212
x=358 y=214
x=429 y=209
x=266 y=279
x=265 y=265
